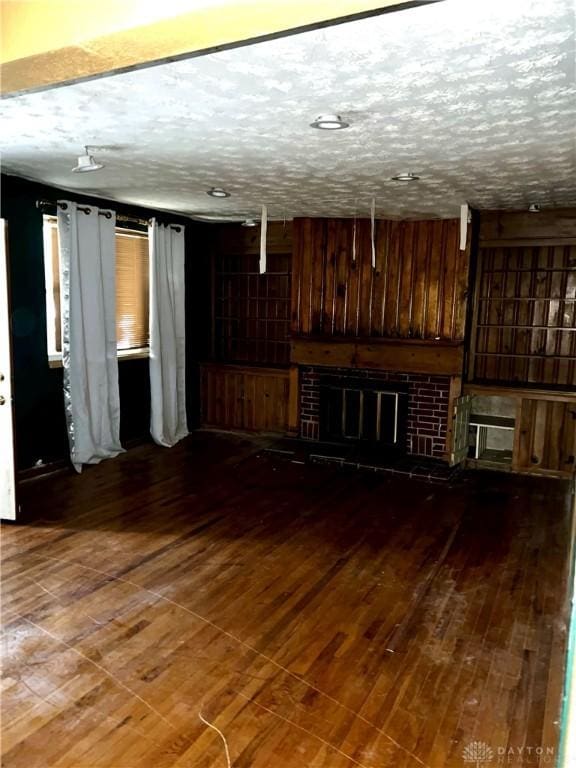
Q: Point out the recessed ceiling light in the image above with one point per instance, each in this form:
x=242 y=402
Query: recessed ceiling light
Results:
x=405 y=177
x=534 y=208
x=329 y=123
x=248 y=223
x=86 y=163
x=218 y=192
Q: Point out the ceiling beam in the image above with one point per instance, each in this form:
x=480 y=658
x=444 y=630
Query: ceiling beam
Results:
x=47 y=44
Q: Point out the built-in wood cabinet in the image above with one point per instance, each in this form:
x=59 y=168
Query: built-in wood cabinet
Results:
x=251 y=398
x=251 y=311
x=544 y=441
x=524 y=311
x=545 y=437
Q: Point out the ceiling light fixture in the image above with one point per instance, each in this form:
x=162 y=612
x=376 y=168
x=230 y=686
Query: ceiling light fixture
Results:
x=248 y=223
x=405 y=177
x=534 y=208
x=86 y=163
x=218 y=192
x=329 y=123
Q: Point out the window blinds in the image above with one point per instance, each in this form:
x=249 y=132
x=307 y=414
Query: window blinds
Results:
x=131 y=290
x=131 y=286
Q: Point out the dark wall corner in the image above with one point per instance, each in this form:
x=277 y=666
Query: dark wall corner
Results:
x=38 y=400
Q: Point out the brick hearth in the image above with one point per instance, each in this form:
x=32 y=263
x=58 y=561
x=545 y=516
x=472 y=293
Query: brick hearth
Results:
x=427 y=406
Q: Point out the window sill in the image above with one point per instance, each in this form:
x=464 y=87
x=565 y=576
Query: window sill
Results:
x=55 y=361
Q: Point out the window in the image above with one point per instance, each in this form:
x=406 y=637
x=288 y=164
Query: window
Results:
x=132 y=299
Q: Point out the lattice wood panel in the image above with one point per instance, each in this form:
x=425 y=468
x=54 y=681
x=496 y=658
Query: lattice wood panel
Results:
x=525 y=315
x=252 y=311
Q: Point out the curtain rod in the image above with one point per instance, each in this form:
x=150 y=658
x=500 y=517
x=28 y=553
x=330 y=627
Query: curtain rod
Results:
x=107 y=214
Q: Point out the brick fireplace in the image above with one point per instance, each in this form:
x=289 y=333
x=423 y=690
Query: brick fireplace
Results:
x=427 y=413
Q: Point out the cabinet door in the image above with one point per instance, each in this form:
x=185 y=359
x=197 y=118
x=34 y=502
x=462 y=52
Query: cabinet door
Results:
x=248 y=398
x=461 y=422
x=545 y=437
x=265 y=401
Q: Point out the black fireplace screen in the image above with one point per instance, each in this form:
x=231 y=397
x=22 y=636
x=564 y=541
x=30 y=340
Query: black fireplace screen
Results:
x=363 y=410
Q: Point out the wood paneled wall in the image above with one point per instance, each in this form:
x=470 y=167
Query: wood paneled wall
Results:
x=417 y=289
x=524 y=320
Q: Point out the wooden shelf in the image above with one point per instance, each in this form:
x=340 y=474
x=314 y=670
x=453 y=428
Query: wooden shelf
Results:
x=526 y=298
x=526 y=327
x=526 y=356
x=505 y=271
x=386 y=340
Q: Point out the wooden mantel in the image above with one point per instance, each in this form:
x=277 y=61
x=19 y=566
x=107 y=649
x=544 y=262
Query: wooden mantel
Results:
x=405 y=355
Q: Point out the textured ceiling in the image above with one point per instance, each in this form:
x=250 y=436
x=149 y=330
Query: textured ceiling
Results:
x=479 y=99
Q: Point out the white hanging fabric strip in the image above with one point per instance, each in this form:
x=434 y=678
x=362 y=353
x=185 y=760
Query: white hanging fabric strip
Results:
x=263 y=232
x=464 y=216
x=372 y=230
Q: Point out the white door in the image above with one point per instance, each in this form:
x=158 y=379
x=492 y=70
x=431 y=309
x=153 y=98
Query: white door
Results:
x=7 y=476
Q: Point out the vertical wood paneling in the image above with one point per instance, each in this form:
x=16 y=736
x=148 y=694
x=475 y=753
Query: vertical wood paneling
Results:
x=417 y=289
x=392 y=297
x=456 y=282
x=546 y=437
x=406 y=278
x=250 y=398
x=306 y=280
x=349 y=277
x=365 y=279
x=419 y=284
x=328 y=316
x=380 y=277
x=318 y=272
x=296 y=293
x=433 y=329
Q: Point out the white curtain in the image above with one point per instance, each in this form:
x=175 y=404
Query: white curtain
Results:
x=167 y=334
x=88 y=307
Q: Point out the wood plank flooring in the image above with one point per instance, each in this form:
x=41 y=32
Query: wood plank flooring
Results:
x=317 y=618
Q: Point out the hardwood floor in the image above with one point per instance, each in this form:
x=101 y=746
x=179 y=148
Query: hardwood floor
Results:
x=317 y=618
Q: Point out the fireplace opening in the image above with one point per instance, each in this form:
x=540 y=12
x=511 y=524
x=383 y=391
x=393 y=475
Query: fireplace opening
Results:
x=364 y=411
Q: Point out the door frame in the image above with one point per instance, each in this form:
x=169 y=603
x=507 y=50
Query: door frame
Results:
x=7 y=384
